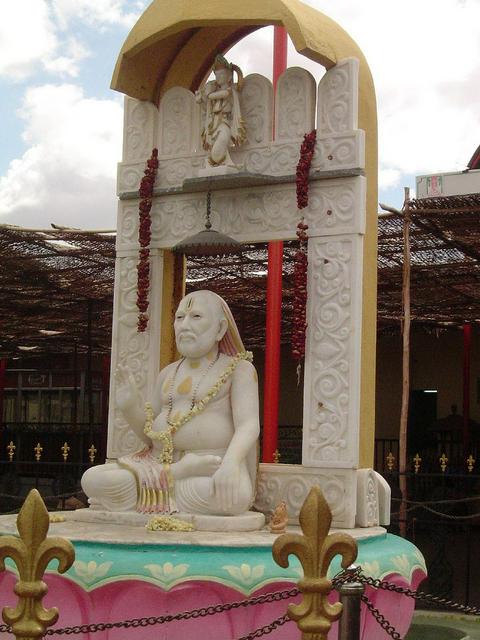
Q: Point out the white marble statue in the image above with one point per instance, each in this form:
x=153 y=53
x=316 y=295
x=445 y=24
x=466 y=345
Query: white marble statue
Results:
x=223 y=126
x=200 y=430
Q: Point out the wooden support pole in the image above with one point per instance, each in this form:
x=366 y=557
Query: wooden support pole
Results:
x=402 y=438
x=88 y=373
x=274 y=298
x=3 y=375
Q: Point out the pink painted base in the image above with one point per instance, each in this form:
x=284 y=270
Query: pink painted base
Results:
x=127 y=599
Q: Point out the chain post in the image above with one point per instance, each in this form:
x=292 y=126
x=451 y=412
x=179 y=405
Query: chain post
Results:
x=351 y=592
x=31 y=552
x=315 y=550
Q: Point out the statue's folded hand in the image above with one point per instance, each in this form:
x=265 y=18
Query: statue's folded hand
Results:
x=226 y=481
x=192 y=465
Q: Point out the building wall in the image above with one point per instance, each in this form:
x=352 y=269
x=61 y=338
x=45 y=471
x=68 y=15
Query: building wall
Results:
x=436 y=363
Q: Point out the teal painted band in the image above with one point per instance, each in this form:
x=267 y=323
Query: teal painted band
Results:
x=245 y=569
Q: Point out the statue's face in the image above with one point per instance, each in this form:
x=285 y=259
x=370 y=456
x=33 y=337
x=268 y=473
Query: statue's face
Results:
x=223 y=76
x=199 y=326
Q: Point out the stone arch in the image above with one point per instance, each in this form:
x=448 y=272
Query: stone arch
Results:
x=173 y=44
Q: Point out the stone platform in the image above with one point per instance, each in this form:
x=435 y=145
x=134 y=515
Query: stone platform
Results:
x=124 y=571
x=249 y=521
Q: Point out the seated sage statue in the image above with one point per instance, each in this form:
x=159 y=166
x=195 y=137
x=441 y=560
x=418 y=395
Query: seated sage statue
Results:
x=200 y=429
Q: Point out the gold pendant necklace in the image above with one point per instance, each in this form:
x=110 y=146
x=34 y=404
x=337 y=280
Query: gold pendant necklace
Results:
x=194 y=394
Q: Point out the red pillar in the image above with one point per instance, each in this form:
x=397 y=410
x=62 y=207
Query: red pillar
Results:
x=467 y=347
x=280 y=42
x=274 y=297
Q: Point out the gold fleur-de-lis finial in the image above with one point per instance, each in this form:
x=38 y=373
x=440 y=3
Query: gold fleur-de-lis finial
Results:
x=470 y=463
x=417 y=462
x=91 y=453
x=443 y=462
x=276 y=456
x=65 y=449
x=11 y=450
x=315 y=550
x=38 y=451
x=390 y=461
x=32 y=552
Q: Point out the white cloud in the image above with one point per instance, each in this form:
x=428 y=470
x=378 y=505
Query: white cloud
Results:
x=424 y=57
x=253 y=54
x=27 y=34
x=388 y=178
x=34 y=34
x=67 y=175
x=30 y=41
x=68 y=65
x=98 y=12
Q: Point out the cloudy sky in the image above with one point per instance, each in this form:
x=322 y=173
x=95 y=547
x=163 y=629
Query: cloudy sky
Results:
x=61 y=125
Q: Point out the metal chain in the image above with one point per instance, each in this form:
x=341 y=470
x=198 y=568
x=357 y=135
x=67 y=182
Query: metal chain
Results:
x=263 y=631
x=342 y=577
x=187 y=615
x=353 y=574
x=380 y=618
x=357 y=574
x=258 y=633
x=420 y=595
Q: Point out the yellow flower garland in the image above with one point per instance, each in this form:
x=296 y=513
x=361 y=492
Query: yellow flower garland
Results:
x=168 y=523
x=166 y=436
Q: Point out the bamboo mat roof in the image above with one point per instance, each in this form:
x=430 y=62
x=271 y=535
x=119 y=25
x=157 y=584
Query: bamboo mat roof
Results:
x=445 y=262
x=51 y=281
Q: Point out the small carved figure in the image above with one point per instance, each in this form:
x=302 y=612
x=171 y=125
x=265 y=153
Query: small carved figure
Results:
x=223 y=127
x=279 y=521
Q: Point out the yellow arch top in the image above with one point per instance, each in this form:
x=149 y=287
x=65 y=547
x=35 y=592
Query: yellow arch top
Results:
x=174 y=43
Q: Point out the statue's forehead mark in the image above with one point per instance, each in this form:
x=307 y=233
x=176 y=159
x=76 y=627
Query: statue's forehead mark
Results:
x=186 y=304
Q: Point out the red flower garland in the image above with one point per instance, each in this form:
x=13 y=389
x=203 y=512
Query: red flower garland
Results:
x=303 y=167
x=301 y=256
x=144 y=236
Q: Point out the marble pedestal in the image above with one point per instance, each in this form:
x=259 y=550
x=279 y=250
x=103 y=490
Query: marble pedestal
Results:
x=125 y=572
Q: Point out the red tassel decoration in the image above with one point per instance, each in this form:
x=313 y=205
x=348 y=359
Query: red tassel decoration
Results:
x=301 y=256
x=144 y=236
